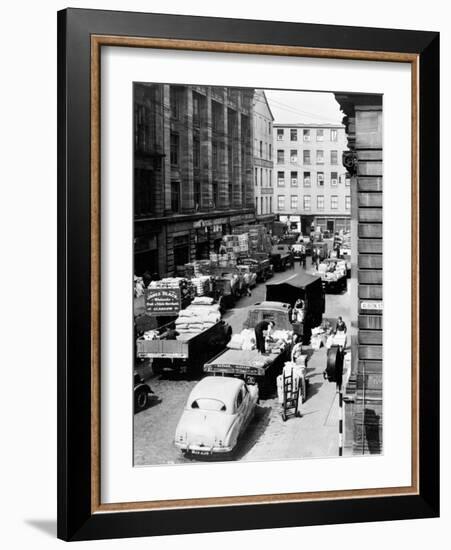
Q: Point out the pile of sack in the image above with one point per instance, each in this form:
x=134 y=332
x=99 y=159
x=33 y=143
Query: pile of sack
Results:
x=245 y=340
x=279 y=340
x=168 y=282
x=151 y=335
x=202 y=285
x=197 y=317
x=202 y=301
x=317 y=338
x=283 y=335
x=321 y=334
x=338 y=339
x=298 y=372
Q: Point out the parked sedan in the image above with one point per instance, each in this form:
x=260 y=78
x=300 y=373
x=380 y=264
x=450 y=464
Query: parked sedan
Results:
x=216 y=414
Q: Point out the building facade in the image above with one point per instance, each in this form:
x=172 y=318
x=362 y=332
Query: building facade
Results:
x=312 y=189
x=193 y=171
x=263 y=159
x=364 y=390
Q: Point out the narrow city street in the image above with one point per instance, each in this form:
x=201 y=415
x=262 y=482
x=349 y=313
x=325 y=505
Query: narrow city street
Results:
x=315 y=434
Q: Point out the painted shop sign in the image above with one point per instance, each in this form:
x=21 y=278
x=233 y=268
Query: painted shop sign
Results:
x=163 y=301
x=216 y=222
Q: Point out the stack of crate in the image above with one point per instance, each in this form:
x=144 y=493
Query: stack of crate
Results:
x=266 y=243
x=231 y=243
x=243 y=241
x=202 y=285
x=257 y=237
x=202 y=267
x=256 y=234
x=187 y=270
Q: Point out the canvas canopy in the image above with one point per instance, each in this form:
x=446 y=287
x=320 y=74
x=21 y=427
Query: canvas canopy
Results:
x=303 y=286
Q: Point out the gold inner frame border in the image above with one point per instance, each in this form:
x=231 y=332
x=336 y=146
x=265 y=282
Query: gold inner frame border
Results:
x=97 y=41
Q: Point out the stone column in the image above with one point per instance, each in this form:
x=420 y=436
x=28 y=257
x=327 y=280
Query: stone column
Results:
x=223 y=175
x=247 y=168
x=186 y=150
x=166 y=100
x=236 y=155
x=158 y=111
x=206 y=153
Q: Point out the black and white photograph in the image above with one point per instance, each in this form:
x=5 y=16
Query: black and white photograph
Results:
x=257 y=286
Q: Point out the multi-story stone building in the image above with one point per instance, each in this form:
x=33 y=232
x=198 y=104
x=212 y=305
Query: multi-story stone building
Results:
x=312 y=188
x=263 y=159
x=193 y=171
x=363 y=418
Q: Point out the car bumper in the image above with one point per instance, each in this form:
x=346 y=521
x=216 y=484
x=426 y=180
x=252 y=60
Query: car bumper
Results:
x=202 y=449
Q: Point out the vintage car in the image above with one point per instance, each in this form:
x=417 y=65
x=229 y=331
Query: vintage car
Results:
x=216 y=414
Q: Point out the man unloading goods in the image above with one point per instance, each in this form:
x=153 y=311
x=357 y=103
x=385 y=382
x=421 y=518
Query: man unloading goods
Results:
x=262 y=331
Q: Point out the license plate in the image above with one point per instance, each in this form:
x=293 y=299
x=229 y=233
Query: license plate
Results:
x=197 y=452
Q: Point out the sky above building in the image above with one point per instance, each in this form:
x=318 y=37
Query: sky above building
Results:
x=290 y=107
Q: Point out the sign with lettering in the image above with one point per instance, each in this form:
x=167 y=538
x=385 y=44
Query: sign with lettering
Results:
x=373 y=305
x=163 y=301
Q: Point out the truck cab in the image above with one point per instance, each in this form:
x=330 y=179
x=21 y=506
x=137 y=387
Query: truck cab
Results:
x=281 y=256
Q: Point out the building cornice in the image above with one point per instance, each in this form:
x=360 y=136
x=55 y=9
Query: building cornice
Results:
x=331 y=125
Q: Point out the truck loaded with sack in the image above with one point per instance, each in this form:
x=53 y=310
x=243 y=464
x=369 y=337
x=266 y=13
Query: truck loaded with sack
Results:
x=187 y=343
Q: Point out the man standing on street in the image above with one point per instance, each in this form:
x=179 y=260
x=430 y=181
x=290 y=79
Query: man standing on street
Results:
x=262 y=330
x=341 y=325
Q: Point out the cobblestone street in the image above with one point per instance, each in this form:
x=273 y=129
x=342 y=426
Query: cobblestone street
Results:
x=315 y=434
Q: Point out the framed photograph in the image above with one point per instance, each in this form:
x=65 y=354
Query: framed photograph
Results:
x=248 y=274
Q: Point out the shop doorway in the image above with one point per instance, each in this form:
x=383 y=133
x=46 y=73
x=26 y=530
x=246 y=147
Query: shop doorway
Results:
x=181 y=250
x=146 y=261
x=202 y=251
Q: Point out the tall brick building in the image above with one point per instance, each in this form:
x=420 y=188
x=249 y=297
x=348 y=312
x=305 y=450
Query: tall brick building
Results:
x=193 y=171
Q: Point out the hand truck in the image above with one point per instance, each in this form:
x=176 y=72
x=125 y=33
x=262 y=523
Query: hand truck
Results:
x=290 y=396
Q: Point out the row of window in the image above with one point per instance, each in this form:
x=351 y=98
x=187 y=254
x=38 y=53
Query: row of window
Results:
x=307 y=179
x=176 y=95
x=260 y=125
x=265 y=178
x=217 y=152
x=262 y=149
x=217 y=112
x=306 y=156
x=307 y=200
x=307 y=134
x=263 y=205
x=176 y=195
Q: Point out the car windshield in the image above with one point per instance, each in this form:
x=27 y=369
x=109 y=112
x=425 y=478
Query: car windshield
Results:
x=206 y=404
